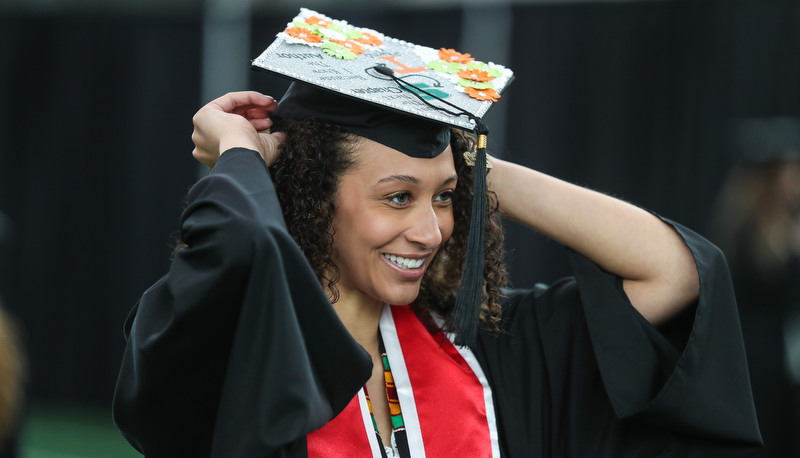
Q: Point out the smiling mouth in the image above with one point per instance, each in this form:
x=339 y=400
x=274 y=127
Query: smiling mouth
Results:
x=404 y=263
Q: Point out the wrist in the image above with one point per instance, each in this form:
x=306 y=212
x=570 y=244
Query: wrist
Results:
x=494 y=174
x=228 y=143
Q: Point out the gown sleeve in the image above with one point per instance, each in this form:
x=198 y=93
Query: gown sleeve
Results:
x=578 y=372
x=237 y=350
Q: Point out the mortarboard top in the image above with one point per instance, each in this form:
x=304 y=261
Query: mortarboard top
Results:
x=402 y=95
x=331 y=54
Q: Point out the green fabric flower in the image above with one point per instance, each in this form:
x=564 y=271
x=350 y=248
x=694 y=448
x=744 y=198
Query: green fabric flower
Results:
x=315 y=29
x=335 y=27
x=352 y=34
x=476 y=84
x=477 y=65
x=338 y=51
x=445 y=67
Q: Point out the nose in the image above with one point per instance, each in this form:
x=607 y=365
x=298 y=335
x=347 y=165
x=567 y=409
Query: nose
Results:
x=424 y=228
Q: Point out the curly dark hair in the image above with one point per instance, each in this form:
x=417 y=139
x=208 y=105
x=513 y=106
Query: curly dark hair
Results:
x=306 y=175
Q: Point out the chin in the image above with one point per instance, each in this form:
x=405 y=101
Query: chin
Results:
x=399 y=297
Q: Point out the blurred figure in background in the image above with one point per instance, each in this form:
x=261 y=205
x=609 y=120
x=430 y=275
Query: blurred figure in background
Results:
x=12 y=369
x=757 y=225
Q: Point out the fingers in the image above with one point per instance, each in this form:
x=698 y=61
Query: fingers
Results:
x=258 y=118
x=253 y=106
x=261 y=124
x=241 y=102
x=255 y=113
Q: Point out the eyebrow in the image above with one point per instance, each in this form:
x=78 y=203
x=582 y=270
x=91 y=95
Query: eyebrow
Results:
x=412 y=179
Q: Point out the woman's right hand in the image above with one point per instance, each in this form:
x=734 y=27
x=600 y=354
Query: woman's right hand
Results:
x=237 y=119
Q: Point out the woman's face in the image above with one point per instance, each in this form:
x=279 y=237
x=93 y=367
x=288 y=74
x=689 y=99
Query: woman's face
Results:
x=393 y=213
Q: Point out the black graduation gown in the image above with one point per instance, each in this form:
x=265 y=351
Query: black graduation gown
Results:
x=237 y=352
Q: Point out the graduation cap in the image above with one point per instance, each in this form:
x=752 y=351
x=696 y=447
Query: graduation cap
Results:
x=401 y=95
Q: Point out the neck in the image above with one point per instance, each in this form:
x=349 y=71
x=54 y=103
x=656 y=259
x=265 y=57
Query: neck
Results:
x=360 y=315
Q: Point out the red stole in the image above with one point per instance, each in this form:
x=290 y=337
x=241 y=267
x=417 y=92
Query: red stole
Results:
x=446 y=402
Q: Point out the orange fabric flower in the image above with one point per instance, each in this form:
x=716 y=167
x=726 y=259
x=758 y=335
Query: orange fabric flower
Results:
x=304 y=34
x=351 y=45
x=482 y=94
x=475 y=75
x=451 y=55
x=369 y=39
x=314 y=20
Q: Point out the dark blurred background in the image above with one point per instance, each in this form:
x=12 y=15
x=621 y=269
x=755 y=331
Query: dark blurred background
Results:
x=633 y=98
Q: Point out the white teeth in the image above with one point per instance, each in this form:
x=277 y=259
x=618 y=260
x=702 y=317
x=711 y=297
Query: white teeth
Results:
x=405 y=263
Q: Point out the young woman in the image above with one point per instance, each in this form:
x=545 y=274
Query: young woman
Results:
x=271 y=334
x=756 y=223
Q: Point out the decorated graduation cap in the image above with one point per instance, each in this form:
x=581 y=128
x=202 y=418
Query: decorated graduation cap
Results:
x=399 y=94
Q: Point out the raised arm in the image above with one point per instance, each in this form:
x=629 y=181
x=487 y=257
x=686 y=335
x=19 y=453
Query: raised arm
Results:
x=657 y=268
x=239 y=314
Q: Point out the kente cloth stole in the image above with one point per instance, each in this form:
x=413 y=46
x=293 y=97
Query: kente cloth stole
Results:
x=398 y=434
x=444 y=396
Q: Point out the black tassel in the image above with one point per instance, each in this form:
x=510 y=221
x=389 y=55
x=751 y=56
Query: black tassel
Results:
x=467 y=309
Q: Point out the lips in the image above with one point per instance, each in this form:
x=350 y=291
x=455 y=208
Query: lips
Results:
x=404 y=263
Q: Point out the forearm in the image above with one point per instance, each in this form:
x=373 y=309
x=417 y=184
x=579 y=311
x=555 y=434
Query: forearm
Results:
x=658 y=270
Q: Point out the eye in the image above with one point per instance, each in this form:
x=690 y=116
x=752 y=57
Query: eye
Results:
x=400 y=199
x=445 y=197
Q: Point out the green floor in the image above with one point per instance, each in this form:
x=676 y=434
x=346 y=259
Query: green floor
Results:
x=72 y=431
